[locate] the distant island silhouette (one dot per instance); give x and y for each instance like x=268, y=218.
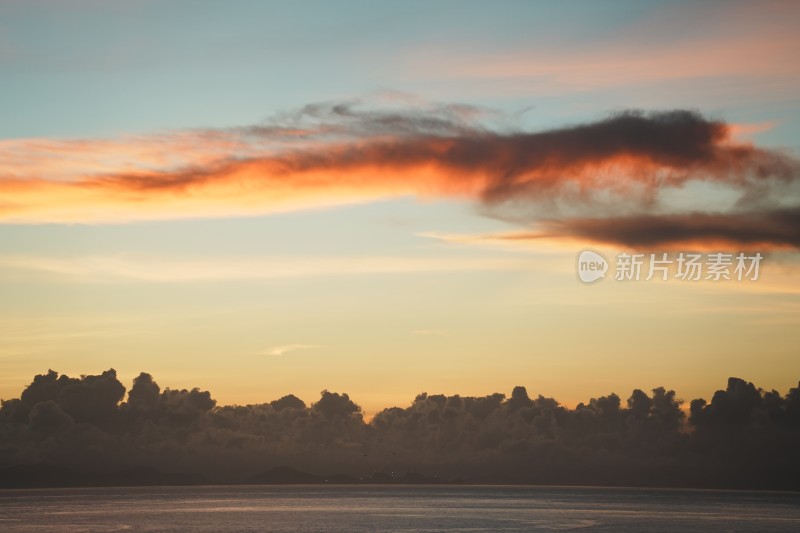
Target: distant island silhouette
x=43, y=475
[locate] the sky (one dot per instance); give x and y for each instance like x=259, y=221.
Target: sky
x=272, y=198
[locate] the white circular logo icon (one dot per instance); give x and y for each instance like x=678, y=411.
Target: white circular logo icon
x=591, y=266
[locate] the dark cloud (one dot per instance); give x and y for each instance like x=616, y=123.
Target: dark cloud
x=289, y=401
x=778, y=228
x=91, y=399
x=602, y=180
x=332, y=404
x=743, y=437
x=613, y=170
x=652, y=150
x=359, y=118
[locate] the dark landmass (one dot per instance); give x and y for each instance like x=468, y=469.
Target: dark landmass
x=43, y=475
x=284, y=475
x=87, y=431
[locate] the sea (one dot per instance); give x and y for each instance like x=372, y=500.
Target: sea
x=395, y=508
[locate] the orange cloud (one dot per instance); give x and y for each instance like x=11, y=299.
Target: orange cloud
x=629, y=157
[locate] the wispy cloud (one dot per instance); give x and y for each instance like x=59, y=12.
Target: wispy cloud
x=774, y=229
x=764, y=229
x=136, y=268
x=754, y=44
x=279, y=351
x=520, y=241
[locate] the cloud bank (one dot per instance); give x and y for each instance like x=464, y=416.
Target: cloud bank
x=743, y=437
x=344, y=152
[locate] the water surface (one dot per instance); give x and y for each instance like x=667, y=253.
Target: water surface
x=395, y=509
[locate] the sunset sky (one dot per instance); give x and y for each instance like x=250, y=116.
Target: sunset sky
x=263, y=198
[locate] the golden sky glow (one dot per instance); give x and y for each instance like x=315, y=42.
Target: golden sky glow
x=402, y=217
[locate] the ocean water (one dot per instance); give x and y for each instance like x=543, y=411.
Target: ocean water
x=396, y=509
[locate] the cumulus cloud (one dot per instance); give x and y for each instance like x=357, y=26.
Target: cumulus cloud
x=341, y=152
x=743, y=437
